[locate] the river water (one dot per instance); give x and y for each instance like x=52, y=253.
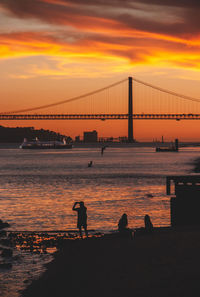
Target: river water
x=38, y=189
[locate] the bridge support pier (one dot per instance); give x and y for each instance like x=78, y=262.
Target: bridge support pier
x=130, y=110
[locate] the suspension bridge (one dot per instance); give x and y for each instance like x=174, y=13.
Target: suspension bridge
x=129, y=99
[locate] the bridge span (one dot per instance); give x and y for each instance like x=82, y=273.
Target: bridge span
x=101, y=117
x=145, y=102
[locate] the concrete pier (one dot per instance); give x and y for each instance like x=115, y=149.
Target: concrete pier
x=185, y=204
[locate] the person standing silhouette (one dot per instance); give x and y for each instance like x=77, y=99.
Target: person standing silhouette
x=82, y=217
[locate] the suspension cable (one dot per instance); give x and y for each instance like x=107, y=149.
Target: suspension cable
x=166, y=91
x=67, y=100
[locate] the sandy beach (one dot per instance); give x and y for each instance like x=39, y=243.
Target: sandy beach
x=165, y=263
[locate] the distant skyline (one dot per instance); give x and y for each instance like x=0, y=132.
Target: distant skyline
x=51, y=50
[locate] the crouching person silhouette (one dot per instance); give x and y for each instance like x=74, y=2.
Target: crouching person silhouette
x=81, y=217
x=123, y=223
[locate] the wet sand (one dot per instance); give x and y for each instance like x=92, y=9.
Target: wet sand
x=165, y=263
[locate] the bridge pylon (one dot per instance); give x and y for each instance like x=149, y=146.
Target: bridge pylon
x=130, y=110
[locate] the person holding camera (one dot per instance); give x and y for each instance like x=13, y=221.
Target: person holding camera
x=81, y=217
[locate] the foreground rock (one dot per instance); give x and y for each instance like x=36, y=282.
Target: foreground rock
x=3, y=225
x=6, y=253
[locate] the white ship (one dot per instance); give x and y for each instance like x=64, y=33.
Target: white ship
x=37, y=144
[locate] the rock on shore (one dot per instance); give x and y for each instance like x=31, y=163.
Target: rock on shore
x=3, y=224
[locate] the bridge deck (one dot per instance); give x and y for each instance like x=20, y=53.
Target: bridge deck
x=99, y=116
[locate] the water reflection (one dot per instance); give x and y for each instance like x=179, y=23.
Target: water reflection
x=38, y=189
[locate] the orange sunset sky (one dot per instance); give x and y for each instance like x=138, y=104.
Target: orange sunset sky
x=52, y=50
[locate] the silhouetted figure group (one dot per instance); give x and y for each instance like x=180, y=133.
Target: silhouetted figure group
x=126, y=232
x=81, y=217
x=123, y=229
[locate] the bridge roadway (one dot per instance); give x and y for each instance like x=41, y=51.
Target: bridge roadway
x=102, y=117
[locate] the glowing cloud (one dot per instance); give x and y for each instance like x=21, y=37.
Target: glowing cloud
x=125, y=31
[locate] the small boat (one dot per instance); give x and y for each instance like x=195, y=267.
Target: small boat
x=37, y=144
x=166, y=149
x=173, y=148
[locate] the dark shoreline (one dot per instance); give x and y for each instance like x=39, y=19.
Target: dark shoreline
x=148, y=266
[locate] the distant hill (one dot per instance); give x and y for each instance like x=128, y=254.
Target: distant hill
x=19, y=133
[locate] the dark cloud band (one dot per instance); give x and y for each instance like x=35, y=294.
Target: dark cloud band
x=134, y=14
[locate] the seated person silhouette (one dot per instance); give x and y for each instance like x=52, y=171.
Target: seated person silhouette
x=82, y=217
x=123, y=229
x=148, y=224
x=147, y=229
x=123, y=223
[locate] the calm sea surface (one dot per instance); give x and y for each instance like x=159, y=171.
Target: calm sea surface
x=38, y=189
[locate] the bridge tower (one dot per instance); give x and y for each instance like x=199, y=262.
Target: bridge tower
x=130, y=110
